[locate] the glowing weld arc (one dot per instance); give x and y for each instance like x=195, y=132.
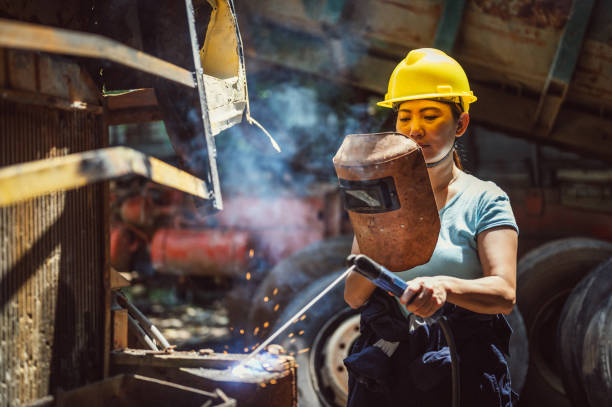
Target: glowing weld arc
x=297, y=315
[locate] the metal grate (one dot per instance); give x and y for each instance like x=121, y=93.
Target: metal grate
x=52, y=256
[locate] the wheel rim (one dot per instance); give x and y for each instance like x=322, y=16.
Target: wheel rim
x=331, y=346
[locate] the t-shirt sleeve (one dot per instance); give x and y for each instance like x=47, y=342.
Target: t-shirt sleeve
x=495, y=210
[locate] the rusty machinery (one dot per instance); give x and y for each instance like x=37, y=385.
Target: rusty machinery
x=56, y=282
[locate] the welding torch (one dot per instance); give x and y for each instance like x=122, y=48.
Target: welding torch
x=386, y=280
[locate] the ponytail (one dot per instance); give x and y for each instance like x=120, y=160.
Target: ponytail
x=457, y=160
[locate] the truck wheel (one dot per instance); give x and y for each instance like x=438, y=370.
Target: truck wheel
x=546, y=276
x=582, y=314
x=597, y=357
x=519, y=351
x=290, y=276
x=320, y=342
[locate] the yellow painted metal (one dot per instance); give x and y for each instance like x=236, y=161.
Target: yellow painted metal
x=219, y=55
x=27, y=180
x=19, y=35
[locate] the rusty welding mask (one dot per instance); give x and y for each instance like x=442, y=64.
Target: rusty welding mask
x=386, y=190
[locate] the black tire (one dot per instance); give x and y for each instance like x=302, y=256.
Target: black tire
x=291, y=276
x=320, y=322
x=597, y=357
x=519, y=351
x=589, y=297
x=546, y=276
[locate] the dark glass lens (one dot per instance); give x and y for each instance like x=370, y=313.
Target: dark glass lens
x=371, y=196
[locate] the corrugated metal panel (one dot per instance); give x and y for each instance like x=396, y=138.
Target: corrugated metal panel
x=51, y=262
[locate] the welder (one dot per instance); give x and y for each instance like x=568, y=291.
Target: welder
x=451, y=236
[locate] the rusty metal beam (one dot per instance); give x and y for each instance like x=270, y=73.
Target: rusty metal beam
x=560, y=74
x=19, y=35
x=27, y=180
x=448, y=25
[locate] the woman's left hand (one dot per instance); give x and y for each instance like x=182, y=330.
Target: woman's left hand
x=430, y=296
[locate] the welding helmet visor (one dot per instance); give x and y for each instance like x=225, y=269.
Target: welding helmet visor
x=386, y=191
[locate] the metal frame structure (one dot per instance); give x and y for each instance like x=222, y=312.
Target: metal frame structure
x=26, y=36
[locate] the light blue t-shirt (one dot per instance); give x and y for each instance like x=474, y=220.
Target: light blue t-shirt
x=478, y=206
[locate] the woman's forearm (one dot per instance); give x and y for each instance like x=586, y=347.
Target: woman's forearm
x=486, y=295
x=357, y=290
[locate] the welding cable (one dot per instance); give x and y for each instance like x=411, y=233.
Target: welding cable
x=450, y=341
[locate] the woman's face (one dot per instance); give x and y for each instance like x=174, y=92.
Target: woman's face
x=431, y=125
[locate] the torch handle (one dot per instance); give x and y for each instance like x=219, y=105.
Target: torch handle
x=379, y=275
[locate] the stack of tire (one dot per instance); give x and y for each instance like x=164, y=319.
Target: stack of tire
x=565, y=297
x=322, y=339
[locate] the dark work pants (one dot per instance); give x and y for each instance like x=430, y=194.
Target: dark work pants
x=418, y=373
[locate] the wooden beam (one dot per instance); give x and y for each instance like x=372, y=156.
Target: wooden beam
x=20, y=35
x=24, y=181
x=120, y=329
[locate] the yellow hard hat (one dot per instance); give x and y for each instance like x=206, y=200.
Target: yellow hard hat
x=428, y=73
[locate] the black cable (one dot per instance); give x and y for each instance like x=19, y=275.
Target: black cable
x=450, y=341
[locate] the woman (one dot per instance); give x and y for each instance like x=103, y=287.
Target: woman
x=471, y=277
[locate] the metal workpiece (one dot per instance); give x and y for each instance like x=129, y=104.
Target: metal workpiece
x=34, y=37
x=136, y=390
x=24, y=181
x=274, y=384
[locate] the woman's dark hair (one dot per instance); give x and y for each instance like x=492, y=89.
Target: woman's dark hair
x=456, y=110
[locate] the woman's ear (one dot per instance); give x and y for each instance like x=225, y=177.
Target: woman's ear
x=462, y=124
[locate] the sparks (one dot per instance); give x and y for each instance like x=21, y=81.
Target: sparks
x=251, y=253
x=303, y=350
x=275, y=291
x=246, y=350
x=248, y=275
x=256, y=330
x=273, y=381
x=290, y=335
x=276, y=307
x=301, y=332
x=266, y=299
x=266, y=324
x=242, y=332
x=303, y=317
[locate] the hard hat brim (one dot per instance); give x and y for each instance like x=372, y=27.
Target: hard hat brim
x=465, y=98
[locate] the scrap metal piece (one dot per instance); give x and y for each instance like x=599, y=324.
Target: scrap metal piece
x=20, y=35
x=27, y=180
x=143, y=321
x=141, y=335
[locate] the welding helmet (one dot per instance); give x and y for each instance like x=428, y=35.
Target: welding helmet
x=386, y=190
x=428, y=73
